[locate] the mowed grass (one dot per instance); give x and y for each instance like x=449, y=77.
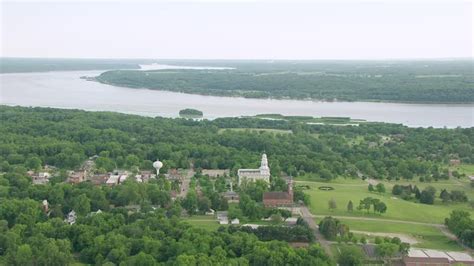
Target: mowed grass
x=203, y=221
x=342, y=181
x=428, y=236
x=467, y=169
x=269, y=130
x=397, y=209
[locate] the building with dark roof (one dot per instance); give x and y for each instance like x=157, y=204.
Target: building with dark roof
x=279, y=198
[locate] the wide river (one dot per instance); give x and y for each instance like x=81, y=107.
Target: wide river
x=67, y=90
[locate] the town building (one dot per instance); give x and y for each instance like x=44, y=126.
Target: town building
x=144, y=176
x=99, y=179
x=231, y=196
x=71, y=217
x=40, y=178
x=77, y=177
x=175, y=174
x=279, y=198
x=222, y=217
x=291, y=221
x=262, y=173
x=116, y=178
x=210, y=212
x=430, y=257
x=215, y=173
x=454, y=162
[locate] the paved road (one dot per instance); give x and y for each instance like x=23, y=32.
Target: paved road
x=309, y=218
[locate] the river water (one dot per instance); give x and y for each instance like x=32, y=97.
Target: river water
x=67, y=90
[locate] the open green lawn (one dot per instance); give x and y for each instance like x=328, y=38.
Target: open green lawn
x=427, y=236
x=467, y=169
x=203, y=221
x=270, y=130
x=397, y=209
x=340, y=180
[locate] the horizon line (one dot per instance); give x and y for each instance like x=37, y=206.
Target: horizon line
x=249, y=59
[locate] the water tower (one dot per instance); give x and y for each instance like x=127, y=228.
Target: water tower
x=157, y=165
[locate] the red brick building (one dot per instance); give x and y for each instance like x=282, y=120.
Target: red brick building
x=278, y=198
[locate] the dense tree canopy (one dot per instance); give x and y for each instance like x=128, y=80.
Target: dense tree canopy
x=401, y=81
x=65, y=138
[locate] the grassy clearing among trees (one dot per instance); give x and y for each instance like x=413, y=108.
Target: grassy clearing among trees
x=397, y=209
x=427, y=236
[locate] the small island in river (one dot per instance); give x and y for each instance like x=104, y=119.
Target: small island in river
x=190, y=113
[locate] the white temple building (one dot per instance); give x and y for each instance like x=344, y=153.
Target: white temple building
x=262, y=173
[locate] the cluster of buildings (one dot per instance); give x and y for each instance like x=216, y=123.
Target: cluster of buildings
x=222, y=218
x=86, y=173
x=272, y=198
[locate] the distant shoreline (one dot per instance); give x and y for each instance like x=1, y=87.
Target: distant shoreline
x=94, y=79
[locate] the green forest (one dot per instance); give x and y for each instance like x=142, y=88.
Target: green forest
x=65, y=138
x=31, y=138
x=392, y=81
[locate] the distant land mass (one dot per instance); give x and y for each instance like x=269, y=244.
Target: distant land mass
x=442, y=81
x=20, y=65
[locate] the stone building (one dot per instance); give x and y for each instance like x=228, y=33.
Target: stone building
x=262, y=173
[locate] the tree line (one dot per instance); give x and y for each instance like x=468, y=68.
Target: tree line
x=428, y=81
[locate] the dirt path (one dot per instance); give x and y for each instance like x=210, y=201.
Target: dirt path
x=404, y=238
x=185, y=184
x=329, y=184
x=380, y=220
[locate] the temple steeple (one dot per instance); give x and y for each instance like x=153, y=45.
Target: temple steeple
x=264, y=169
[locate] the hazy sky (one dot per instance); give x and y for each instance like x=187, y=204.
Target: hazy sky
x=241, y=30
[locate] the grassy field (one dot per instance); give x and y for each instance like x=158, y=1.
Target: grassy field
x=308, y=179
x=397, y=209
x=269, y=130
x=427, y=236
x=467, y=169
x=203, y=221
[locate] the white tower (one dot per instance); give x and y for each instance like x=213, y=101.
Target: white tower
x=264, y=169
x=157, y=165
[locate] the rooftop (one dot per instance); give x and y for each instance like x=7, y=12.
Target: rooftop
x=431, y=253
x=275, y=195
